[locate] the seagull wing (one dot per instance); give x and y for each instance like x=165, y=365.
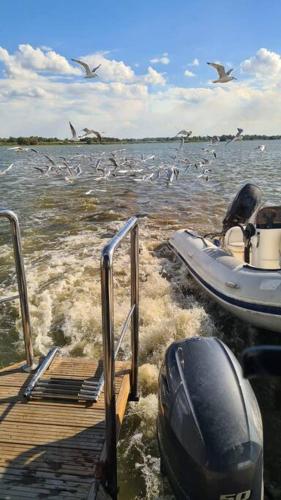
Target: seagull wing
x=114, y=162
x=229, y=71
x=85, y=66
x=73, y=131
x=7, y=169
x=40, y=170
x=219, y=67
x=95, y=69
x=50, y=159
x=97, y=134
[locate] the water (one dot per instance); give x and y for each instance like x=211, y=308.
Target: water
x=63, y=232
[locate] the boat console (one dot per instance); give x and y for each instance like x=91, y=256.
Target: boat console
x=266, y=242
x=253, y=234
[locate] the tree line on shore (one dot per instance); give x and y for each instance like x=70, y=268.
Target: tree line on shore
x=37, y=140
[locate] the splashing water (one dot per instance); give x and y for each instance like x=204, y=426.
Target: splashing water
x=63, y=233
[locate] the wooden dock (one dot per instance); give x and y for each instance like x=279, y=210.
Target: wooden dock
x=50, y=449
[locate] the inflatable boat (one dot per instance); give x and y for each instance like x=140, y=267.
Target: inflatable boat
x=240, y=266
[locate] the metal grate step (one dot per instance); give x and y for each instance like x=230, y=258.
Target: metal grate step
x=79, y=390
x=67, y=389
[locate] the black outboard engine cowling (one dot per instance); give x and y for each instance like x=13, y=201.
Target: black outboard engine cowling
x=245, y=203
x=209, y=424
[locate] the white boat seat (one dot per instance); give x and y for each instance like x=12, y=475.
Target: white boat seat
x=233, y=242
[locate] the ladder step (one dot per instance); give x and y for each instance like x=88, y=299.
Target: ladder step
x=58, y=387
x=55, y=387
x=77, y=390
x=53, y=395
x=60, y=381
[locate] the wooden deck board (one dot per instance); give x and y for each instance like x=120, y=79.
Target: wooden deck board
x=49, y=449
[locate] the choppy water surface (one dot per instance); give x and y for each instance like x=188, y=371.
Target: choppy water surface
x=63, y=232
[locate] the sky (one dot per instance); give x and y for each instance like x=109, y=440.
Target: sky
x=153, y=79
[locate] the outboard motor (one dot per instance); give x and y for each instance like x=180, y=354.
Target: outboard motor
x=245, y=203
x=209, y=424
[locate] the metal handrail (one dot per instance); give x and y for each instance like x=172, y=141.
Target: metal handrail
x=110, y=354
x=22, y=288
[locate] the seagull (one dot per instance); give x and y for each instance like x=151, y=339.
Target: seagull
x=89, y=132
x=171, y=173
x=224, y=77
x=50, y=160
x=261, y=147
x=73, y=132
x=89, y=73
x=150, y=157
x=237, y=137
x=19, y=149
x=203, y=176
x=115, y=163
x=185, y=133
x=7, y=169
x=214, y=140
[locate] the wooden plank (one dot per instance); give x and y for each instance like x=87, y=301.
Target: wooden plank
x=76, y=417
x=50, y=448
x=53, y=456
x=19, y=482
x=52, y=476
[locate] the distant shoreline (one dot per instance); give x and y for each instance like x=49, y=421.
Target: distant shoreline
x=42, y=141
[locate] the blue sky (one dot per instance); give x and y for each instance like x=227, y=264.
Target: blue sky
x=139, y=35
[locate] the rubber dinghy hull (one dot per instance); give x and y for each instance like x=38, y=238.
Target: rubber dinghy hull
x=254, y=295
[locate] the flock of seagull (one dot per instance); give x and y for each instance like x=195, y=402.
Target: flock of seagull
x=100, y=167
x=118, y=164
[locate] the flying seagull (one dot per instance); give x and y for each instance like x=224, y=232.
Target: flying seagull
x=18, y=149
x=224, y=77
x=185, y=133
x=7, y=169
x=88, y=132
x=89, y=73
x=237, y=137
x=74, y=134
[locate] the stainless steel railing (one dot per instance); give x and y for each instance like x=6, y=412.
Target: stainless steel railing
x=22, y=288
x=110, y=353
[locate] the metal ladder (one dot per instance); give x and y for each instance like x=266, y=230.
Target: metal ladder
x=89, y=390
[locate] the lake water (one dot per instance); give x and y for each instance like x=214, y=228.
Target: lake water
x=63, y=231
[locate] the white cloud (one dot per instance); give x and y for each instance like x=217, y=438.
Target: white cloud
x=34, y=102
x=164, y=59
x=110, y=69
x=188, y=73
x=195, y=62
x=264, y=64
x=31, y=59
x=153, y=77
